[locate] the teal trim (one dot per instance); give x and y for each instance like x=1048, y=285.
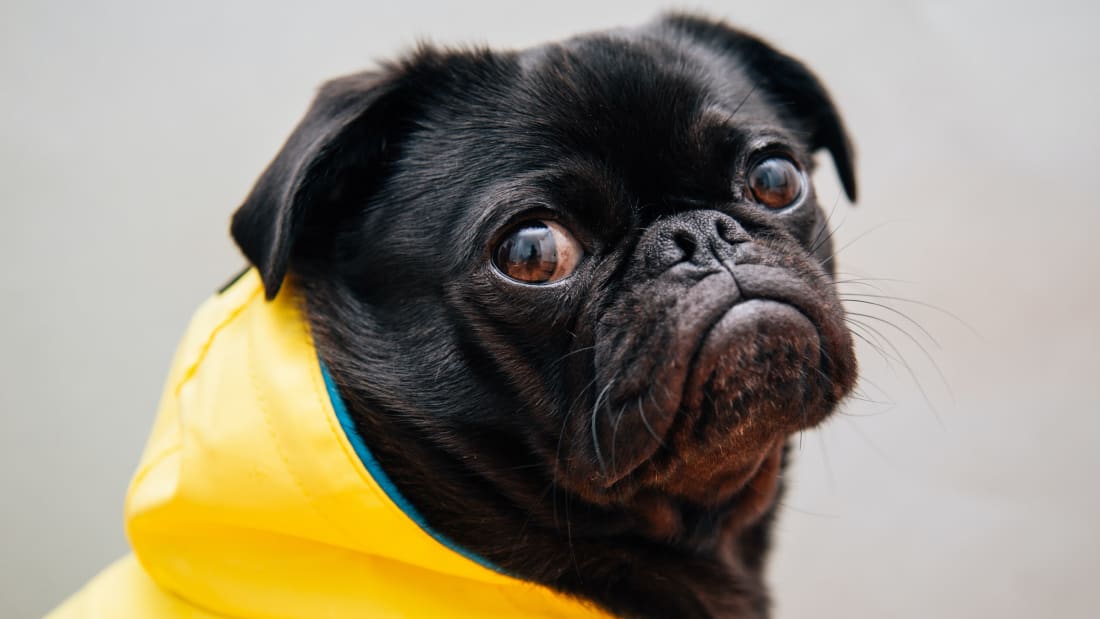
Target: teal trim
x=375, y=470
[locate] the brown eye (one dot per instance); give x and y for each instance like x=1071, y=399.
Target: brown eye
x=538, y=252
x=776, y=182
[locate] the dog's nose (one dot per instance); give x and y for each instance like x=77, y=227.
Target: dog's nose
x=704, y=238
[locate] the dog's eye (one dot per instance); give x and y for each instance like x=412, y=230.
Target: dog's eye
x=538, y=252
x=776, y=182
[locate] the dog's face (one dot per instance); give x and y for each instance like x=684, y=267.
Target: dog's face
x=597, y=265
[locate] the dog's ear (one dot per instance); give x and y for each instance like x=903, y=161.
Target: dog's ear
x=786, y=81
x=328, y=160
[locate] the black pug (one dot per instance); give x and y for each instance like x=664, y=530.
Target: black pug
x=576, y=297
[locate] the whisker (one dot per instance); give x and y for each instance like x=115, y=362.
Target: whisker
x=788, y=507
x=615, y=433
x=880, y=413
x=593, y=423
x=569, y=538
x=923, y=350
x=817, y=241
x=856, y=282
x=860, y=394
x=905, y=364
x=864, y=280
x=523, y=529
x=742, y=103
x=645, y=422
x=571, y=353
x=557, y=463
x=852, y=242
x=930, y=306
x=866, y=400
x=874, y=344
x=899, y=313
x=870, y=444
x=869, y=382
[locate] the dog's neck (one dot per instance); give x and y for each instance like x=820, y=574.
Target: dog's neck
x=658, y=557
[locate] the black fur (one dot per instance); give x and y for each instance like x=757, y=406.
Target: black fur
x=617, y=435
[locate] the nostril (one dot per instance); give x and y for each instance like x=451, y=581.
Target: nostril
x=729, y=231
x=686, y=242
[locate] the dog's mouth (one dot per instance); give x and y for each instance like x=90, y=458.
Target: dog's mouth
x=700, y=410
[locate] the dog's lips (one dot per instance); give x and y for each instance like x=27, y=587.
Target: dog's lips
x=743, y=348
x=721, y=447
x=743, y=377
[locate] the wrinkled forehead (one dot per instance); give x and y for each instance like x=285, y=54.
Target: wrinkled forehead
x=651, y=118
x=609, y=91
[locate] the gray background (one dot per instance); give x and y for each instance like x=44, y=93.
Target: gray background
x=131, y=131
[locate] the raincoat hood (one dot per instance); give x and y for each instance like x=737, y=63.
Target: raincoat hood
x=256, y=498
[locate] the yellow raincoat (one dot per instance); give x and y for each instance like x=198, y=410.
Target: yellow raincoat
x=256, y=498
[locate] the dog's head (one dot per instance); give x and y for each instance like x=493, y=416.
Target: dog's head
x=598, y=265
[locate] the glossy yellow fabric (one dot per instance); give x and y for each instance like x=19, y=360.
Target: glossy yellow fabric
x=250, y=502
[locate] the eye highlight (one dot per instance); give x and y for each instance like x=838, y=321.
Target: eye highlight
x=538, y=252
x=776, y=182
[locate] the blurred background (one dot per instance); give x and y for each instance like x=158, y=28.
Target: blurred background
x=960, y=483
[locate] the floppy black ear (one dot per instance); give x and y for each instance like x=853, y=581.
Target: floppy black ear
x=338, y=141
x=787, y=81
